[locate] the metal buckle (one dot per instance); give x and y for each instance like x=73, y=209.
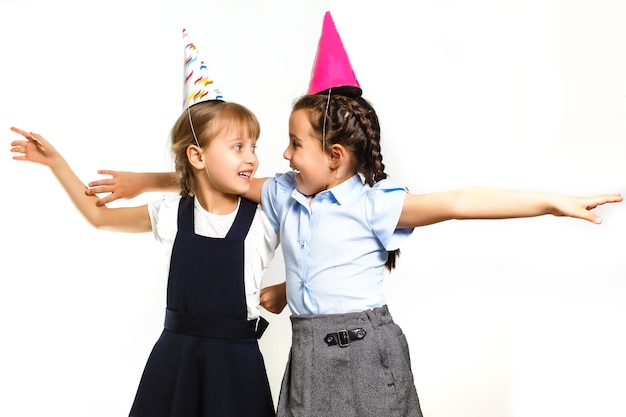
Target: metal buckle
x=343, y=338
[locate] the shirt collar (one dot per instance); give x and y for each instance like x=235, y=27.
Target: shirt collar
x=348, y=190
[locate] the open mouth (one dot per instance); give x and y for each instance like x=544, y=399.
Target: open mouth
x=245, y=174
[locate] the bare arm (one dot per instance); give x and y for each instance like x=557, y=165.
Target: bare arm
x=127, y=184
x=254, y=194
x=489, y=203
x=36, y=149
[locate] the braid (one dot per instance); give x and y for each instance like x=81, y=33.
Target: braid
x=353, y=123
x=372, y=168
x=375, y=166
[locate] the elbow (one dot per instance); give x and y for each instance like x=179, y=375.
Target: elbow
x=98, y=219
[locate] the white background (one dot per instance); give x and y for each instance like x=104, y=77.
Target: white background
x=513, y=318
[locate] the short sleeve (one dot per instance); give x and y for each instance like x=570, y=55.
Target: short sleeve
x=164, y=217
x=275, y=193
x=384, y=202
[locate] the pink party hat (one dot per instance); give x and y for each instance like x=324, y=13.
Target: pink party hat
x=332, y=68
x=199, y=85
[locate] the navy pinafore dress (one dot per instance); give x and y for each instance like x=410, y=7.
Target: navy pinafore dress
x=207, y=361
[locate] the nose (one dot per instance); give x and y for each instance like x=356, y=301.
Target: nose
x=287, y=153
x=251, y=157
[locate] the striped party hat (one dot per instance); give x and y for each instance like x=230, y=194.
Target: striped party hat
x=199, y=86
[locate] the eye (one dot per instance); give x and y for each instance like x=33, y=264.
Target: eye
x=254, y=148
x=237, y=147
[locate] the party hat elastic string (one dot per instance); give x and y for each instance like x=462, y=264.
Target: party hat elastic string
x=198, y=87
x=324, y=136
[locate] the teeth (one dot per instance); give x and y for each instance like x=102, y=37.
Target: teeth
x=244, y=174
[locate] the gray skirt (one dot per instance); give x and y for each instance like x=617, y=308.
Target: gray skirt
x=369, y=376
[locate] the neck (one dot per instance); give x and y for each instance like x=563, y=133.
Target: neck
x=218, y=203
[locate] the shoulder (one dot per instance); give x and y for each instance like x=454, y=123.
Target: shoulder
x=169, y=203
x=385, y=194
x=164, y=215
x=387, y=185
x=281, y=182
x=276, y=193
x=384, y=201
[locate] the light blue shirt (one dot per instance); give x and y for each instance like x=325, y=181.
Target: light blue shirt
x=335, y=247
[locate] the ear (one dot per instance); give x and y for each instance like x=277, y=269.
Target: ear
x=195, y=156
x=338, y=156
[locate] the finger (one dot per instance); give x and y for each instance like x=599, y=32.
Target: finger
x=32, y=137
x=19, y=147
x=604, y=199
x=19, y=143
x=20, y=131
x=107, y=172
x=613, y=198
x=97, y=190
x=37, y=138
x=590, y=216
x=105, y=200
x=100, y=183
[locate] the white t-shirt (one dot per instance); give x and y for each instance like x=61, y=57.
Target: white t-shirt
x=260, y=244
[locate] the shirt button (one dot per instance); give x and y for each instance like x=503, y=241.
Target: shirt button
x=302, y=245
x=301, y=284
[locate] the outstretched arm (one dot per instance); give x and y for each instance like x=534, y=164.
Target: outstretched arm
x=489, y=203
x=35, y=148
x=127, y=184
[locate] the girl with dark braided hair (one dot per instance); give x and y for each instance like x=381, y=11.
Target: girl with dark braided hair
x=341, y=223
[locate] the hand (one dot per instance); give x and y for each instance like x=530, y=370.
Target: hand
x=580, y=207
x=122, y=184
x=274, y=298
x=34, y=149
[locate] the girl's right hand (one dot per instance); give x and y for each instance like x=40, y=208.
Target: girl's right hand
x=34, y=149
x=122, y=184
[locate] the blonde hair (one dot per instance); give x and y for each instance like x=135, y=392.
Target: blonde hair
x=209, y=119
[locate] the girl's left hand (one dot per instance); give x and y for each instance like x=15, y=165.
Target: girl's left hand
x=580, y=207
x=274, y=298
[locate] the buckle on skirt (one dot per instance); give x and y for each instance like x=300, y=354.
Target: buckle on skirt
x=344, y=337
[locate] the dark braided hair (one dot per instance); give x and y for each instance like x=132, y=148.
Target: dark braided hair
x=351, y=122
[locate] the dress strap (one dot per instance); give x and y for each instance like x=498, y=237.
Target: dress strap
x=243, y=220
x=185, y=214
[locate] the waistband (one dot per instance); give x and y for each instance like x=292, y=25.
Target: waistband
x=378, y=316
x=214, y=327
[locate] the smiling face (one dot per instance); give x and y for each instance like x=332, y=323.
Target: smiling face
x=305, y=155
x=231, y=161
x=221, y=143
